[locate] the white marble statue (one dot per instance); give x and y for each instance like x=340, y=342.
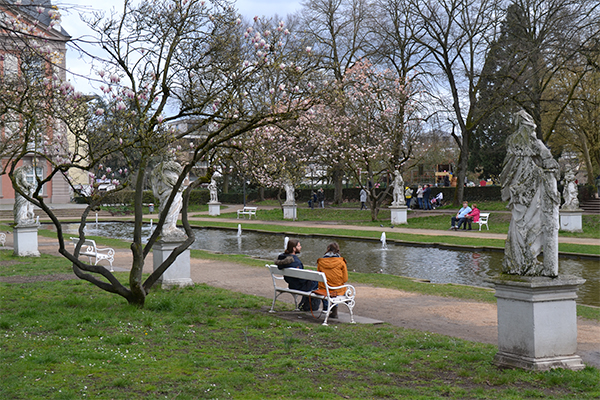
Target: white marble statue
x=570, y=192
x=528, y=181
x=398, y=193
x=289, y=194
x=23, y=208
x=163, y=179
x=212, y=188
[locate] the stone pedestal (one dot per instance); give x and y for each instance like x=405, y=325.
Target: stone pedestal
x=399, y=214
x=537, y=322
x=214, y=208
x=178, y=274
x=570, y=221
x=26, y=240
x=289, y=211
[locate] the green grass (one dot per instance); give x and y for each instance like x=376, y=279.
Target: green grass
x=69, y=340
x=498, y=222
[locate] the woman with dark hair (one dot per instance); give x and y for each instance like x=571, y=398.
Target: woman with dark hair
x=289, y=259
x=336, y=270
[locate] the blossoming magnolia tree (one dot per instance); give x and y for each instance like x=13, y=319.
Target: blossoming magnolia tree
x=381, y=128
x=276, y=155
x=371, y=126
x=170, y=60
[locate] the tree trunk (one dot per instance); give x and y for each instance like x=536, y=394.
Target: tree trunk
x=586, y=157
x=338, y=175
x=225, y=183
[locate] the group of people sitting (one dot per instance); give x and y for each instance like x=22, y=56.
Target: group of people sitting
x=332, y=264
x=466, y=215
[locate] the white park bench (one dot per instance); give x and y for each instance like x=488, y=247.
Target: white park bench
x=89, y=249
x=483, y=220
x=249, y=211
x=2, y=238
x=278, y=274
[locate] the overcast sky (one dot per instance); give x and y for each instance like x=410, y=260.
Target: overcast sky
x=71, y=22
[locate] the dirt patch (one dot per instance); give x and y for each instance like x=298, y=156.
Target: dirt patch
x=36, y=278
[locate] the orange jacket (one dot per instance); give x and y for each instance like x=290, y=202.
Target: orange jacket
x=336, y=271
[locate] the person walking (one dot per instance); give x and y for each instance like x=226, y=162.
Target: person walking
x=408, y=192
x=363, y=199
x=321, y=197
x=420, y=197
x=426, y=195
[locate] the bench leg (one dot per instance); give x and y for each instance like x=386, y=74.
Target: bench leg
x=329, y=308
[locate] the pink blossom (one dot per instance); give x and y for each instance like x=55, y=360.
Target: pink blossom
x=99, y=112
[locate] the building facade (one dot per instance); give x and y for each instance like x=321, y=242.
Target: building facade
x=32, y=46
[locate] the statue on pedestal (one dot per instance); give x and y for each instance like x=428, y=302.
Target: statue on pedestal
x=212, y=188
x=529, y=179
x=23, y=208
x=163, y=179
x=398, y=193
x=570, y=192
x=289, y=194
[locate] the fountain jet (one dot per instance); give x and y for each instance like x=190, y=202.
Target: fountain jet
x=383, y=241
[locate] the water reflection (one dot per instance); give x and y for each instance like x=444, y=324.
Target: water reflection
x=433, y=264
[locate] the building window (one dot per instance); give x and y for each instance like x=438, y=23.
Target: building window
x=39, y=171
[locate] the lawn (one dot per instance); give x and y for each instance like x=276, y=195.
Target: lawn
x=69, y=340
x=351, y=214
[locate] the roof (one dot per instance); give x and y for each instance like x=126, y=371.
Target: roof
x=32, y=8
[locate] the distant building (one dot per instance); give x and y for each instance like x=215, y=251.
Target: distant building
x=32, y=23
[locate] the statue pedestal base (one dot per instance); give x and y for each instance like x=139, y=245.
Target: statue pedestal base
x=399, y=214
x=289, y=211
x=537, y=322
x=178, y=274
x=214, y=208
x=26, y=240
x=570, y=221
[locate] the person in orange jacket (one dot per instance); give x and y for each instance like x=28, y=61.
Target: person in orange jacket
x=336, y=270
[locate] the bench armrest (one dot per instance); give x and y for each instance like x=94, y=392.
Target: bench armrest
x=350, y=290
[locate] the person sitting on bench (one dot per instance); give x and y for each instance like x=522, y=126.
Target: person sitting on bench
x=473, y=216
x=289, y=259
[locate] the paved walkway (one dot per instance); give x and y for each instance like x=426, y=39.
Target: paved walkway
x=469, y=320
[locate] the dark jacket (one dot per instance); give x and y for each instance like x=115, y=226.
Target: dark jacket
x=292, y=261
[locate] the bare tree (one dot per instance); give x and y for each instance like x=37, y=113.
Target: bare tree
x=168, y=60
x=341, y=33
x=457, y=35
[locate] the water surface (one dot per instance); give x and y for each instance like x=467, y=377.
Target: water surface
x=427, y=263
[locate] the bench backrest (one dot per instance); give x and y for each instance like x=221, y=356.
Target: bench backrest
x=86, y=242
x=298, y=273
x=483, y=217
x=250, y=208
